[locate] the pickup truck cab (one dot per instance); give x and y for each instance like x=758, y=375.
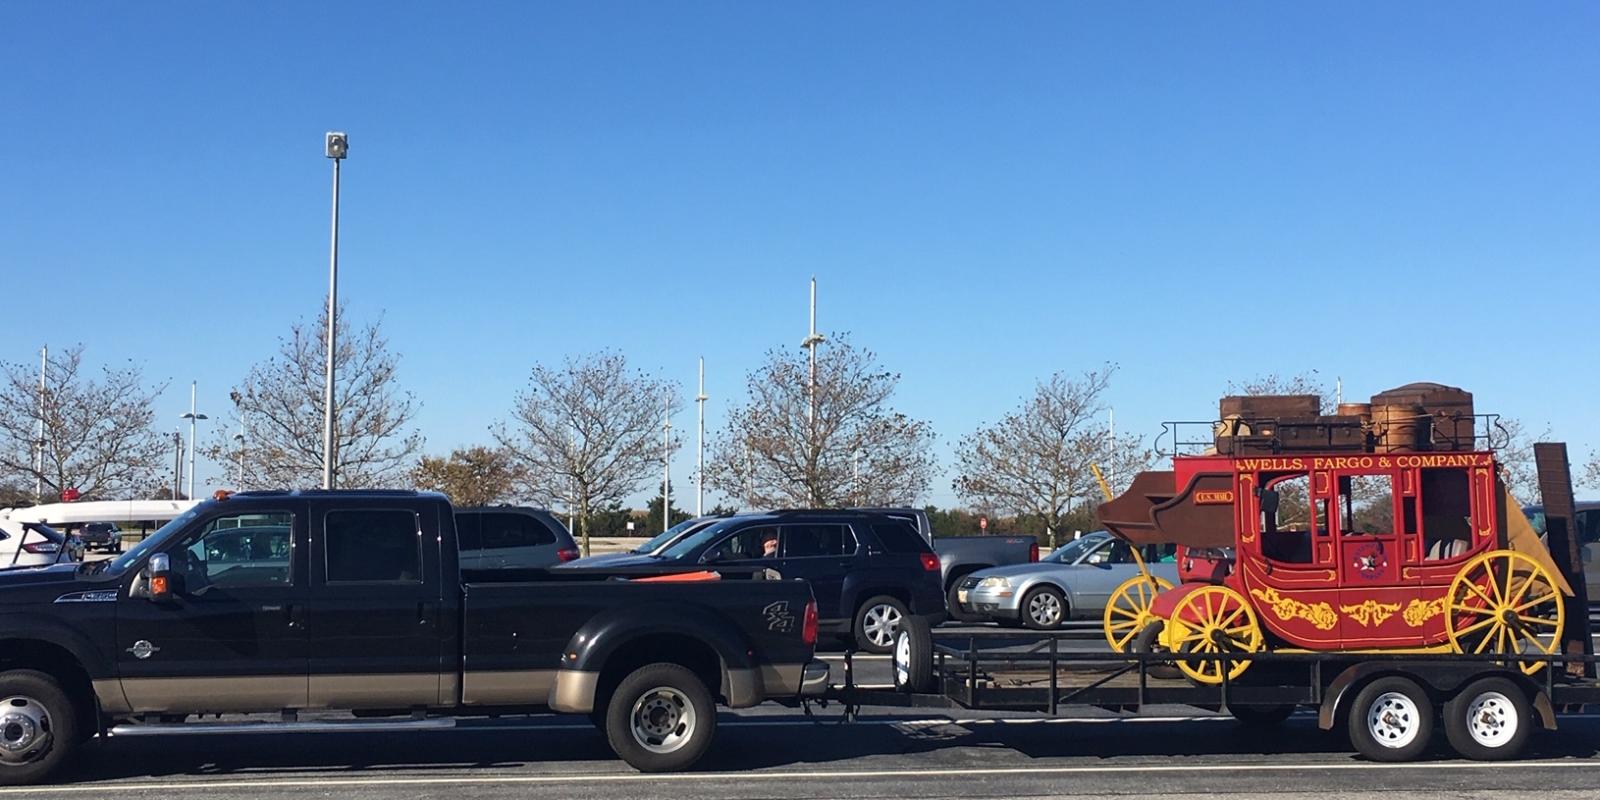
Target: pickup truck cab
x=284, y=602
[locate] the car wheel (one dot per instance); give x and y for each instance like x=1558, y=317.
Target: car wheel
x=877, y=621
x=1044, y=608
x=954, y=606
x=38, y=727
x=1391, y=719
x=1490, y=720
x=661, y=718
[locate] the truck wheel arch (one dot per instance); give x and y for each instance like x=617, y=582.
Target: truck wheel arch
x=612, y=645
x=61, y=663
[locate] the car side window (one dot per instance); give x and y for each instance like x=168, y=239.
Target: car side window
x=745, y=545
x=505, y=530
x=239, y=551
x=373, y=546
x=806, y=541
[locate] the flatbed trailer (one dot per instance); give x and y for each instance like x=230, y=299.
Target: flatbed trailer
x=1390, y=703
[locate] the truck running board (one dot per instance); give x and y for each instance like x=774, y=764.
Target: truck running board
x=323, y=726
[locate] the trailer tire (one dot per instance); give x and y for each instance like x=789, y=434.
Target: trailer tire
x=661, y=718
x=1391, y=719
x=1261, y=716
x=912, y=661
x=1490, y=720
x=38, y=727
x=1149, y=641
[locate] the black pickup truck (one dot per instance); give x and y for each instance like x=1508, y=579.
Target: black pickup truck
x=292, y=602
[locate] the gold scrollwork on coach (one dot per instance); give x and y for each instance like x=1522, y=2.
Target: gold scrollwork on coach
x=1319, y=615
x=1370, y=613
x=1420, y=611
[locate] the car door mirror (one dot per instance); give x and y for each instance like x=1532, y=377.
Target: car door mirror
x=159, y=580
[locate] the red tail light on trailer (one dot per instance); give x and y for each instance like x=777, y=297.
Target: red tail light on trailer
x=930, y=562
x=808, y=628
x=1033, y=552
x=567, y=554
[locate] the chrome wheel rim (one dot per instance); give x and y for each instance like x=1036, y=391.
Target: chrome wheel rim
x=881, y=623
x=1393, y=720
x=902, y=659
x=25, y=731
x=1045, y=609
x=663, y=720
x=1491, y=719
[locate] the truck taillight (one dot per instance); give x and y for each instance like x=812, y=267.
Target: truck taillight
x=808, y=627
x=566, y=554
x=1033, y=552
x=930, y=562
x=41, y=548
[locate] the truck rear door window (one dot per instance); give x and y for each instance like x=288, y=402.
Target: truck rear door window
x=374, y=546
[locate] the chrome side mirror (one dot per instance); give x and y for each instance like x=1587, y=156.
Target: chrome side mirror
x=158, y=577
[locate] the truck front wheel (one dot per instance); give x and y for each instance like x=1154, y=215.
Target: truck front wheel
x=661, y=718
x=38, y=727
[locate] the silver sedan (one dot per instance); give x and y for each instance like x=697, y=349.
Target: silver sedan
x=1074, y=582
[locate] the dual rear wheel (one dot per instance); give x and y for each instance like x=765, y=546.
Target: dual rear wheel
x=1392, y=719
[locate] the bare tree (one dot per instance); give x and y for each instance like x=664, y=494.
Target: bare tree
x=280, y=405
x=99, y=435
x=1275, y=383
x=469, y=476
x=588, y=432
x=1036, y=461
x=854, y=449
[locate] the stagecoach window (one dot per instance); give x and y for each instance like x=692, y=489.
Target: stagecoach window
x=1366, y=504
x=1286, y=533
x=1446, y=514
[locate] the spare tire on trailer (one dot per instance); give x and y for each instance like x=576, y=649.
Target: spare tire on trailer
x=912, y=659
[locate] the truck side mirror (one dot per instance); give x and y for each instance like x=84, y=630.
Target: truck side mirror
x=159, y=577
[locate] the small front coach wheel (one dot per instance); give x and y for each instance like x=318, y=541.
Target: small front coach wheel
x=661, y=718
x=1391, y=719
x=1489, y=720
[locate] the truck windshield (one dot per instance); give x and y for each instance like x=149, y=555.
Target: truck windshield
x=154, y=540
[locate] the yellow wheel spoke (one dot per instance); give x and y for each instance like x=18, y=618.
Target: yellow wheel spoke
x=1231, y=617
x=1472, y=610
x=1484, y=645
x=1125, y=613
x=1122, y=641
x=1550, y=623
x=1544, y=598
x=1478, y=590
x=1476, y=625
x=1516, y=596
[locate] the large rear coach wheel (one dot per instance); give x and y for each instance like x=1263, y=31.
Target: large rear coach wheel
x=1214, y=619
x=1391, y=719
x=661, y=718
x=38, y=727
x=1128, y=611
x=1505, y=602
x=1490, y=720
x=877, y=621
x=1044, y=608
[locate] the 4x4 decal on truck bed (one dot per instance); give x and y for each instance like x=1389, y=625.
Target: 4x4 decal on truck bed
x=778, y=617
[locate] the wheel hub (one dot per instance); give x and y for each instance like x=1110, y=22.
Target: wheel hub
x=1393, y=720
x=24, y=730
x=663, y=720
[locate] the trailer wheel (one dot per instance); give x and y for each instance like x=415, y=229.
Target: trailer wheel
x=1391, y=719
x=38, y=727
x=661, y=718
x=1490, y=720
x=913, y=656
x=1261, y=716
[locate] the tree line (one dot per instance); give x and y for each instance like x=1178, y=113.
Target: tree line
x=586, y=433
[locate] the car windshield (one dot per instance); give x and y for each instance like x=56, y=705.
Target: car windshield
x=656, y=542
x=1070, y=552
x=694, y=540
x=154, y=540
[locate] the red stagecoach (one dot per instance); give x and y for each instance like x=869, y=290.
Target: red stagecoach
x=1385, y=527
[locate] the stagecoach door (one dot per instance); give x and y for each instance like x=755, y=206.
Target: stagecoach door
x=1372, y=550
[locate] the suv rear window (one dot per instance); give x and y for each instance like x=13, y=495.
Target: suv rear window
x=504, y=530
x=899, y=537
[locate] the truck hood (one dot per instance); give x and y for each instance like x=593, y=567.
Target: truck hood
x=30, y=584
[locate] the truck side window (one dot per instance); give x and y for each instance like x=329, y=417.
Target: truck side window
x=246, y=550
x=373, y=546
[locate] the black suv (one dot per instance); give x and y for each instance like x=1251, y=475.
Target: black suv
x=868, y=571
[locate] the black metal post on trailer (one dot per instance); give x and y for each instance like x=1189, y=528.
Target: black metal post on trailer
x=1560, y=518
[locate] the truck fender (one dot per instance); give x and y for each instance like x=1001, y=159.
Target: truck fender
x=99, y=669
x=590, y=649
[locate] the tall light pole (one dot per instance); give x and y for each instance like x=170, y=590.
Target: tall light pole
x=336, y=145
x=193, y=416
x=177, y=463
x=811, y=343
x=666, y=462
x=38, y=458
x=238, y=439
x=700, y=445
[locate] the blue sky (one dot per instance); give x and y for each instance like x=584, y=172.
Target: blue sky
x=986, y=193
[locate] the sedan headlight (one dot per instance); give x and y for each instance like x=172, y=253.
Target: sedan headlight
x=996, y=582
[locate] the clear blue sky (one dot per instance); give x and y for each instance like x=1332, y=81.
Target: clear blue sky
x=1381, y=192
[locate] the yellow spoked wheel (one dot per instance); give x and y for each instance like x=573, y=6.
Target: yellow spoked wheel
x=1128, y=610
x=1213, y=619
x=1505, y=602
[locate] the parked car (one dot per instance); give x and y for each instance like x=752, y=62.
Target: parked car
x=369, y=613
x=1074, y=582
x=1588, y=533
x=103, y=535
x=867, y=570
x=511, y=537
x=960, y=556
x=35, y=544
x=655, y=544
